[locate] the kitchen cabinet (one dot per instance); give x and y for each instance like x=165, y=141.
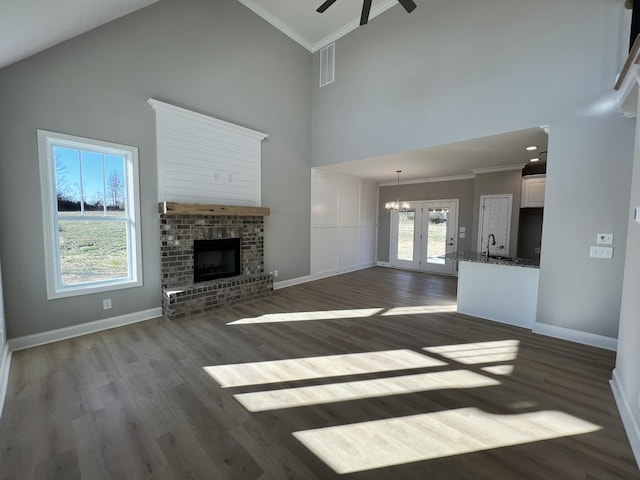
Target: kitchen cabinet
x=533, y=191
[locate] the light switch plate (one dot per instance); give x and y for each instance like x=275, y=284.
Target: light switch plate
x=605, y=239
x=601, y=252
x=636, y=214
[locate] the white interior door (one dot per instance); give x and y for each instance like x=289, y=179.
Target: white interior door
x=422, y=236
x=495, y=219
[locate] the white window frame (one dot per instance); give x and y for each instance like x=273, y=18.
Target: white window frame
x=55, y=288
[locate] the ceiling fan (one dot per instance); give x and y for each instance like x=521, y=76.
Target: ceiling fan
x=409, y=6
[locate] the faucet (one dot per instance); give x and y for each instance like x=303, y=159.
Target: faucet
x=491, y=237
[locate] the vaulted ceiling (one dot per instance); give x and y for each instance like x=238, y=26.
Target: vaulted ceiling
x=31, y=26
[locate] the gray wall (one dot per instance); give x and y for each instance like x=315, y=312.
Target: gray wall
x=213, y=56
x=451, y=71
x=628, y=361
x=3, y=337
x=583, y=197
x=494, y=184
x=460, y=189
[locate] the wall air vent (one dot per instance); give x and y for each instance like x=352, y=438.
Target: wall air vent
x=327, y=64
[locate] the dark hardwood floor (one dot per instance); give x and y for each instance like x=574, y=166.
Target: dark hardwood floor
x=370, y=375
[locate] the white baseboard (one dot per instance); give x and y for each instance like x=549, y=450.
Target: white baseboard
x=305, y=279
x=629, y=420
x=5, y=362
x=51, y=336
x=319, y=276
x=586, y=338
x=293, y=281
x=383, y=264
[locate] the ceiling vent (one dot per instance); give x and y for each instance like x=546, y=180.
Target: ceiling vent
x=327, y=64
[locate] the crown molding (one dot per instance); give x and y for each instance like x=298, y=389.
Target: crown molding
x=451, y=178
x=293, y=34
x=278, y=23
x=501, y=168
x=159, y=106
x=351, y=26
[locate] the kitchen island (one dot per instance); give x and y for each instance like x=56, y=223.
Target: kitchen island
x=498, y=288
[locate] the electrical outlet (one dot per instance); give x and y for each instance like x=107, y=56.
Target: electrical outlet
x=605, y=239
x=106, y=304
x=601, y=252
x=275, y=273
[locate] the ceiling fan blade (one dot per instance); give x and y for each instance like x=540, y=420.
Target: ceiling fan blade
x=366, y=8
x=409, y=5
x=325, y=5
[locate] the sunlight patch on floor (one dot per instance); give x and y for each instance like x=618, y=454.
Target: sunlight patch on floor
x=307, y=316
x=343, y=314
x=499, y=369
x=256, y=373
x=420, y=309
x=347, y=391
x=382, y=443
x=481, y=352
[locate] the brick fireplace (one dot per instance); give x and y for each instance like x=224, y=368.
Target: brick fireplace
x=180, y=226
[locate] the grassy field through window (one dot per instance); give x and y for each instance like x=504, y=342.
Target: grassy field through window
x=406, y=230
x=92, y=251
x=437, y=242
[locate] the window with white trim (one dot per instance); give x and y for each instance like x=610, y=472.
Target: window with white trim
x=91, y=208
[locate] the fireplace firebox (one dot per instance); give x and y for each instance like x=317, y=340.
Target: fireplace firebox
x=214, y=259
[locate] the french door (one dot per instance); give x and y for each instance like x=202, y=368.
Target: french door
x=423, y=235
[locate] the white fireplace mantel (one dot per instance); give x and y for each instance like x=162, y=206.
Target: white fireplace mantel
x=205, y=209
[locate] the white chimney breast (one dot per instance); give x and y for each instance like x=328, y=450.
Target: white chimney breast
x=202, y=159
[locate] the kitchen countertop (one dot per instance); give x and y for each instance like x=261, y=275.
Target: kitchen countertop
x=478, y=257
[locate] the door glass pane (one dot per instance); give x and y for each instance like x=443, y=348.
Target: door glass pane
x=406, y=228
x=437, y=235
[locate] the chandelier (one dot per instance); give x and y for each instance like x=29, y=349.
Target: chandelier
x=398, y=206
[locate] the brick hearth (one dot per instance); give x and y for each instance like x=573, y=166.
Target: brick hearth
x=180, y=296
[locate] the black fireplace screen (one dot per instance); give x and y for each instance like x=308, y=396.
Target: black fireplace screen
x=215, y=259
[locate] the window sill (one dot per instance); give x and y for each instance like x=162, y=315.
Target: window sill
x=54, y=294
